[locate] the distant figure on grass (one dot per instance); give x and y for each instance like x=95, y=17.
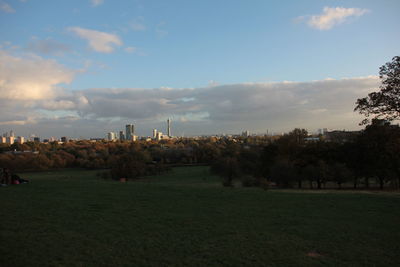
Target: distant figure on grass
x=15, y=179
x=7, y=178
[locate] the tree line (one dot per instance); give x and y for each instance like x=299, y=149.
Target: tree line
x=371, y=157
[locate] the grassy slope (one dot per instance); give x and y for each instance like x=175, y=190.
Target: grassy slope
x=186, y=218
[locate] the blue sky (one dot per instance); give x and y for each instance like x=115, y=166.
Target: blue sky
x=186, y=45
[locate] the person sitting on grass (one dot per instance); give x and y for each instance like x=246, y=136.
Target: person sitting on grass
x=18, y=180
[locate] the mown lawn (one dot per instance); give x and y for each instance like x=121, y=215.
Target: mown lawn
x=186, y=218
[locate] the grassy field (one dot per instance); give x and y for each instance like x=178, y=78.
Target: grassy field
x=186, y=218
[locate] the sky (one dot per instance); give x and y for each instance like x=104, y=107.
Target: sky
x=84, y=68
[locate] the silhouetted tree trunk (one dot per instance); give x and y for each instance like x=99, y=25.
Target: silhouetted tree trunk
x=319, y=184
x=381, y=183
x=355, y=183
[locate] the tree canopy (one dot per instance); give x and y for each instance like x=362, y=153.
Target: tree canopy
x=384, y=104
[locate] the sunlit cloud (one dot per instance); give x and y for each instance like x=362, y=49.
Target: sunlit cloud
x=31, y=77
x=332, y=16
x=98, y=41
x=130, y=49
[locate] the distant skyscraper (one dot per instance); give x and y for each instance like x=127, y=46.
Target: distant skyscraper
x=159, y=136
x=130, y=131
x=154, y=133
x=169, y=127
x=10, y=140
x=111, y=136
x=121, y=135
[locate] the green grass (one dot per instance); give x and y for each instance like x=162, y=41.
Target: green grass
x=186, y=218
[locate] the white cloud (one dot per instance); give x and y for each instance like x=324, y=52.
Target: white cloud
x=96, y=2
x=6, y=7
x=138, y=25
x=332, y=16
x=99, y=41
x=130, y=49
x=30, y=77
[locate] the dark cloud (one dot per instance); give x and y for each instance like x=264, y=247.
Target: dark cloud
x=313, y=103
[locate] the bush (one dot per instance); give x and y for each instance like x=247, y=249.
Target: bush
x=250, y=181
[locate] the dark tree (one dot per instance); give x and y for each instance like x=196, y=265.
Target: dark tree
x=283, y=173
x=384, y=104
x=379, y=148
x=227, y=168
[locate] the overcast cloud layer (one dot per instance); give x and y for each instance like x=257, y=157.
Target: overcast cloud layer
x=32, y=97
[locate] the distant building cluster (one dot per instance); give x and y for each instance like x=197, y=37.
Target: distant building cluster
x=10, y=138
x=130, y=135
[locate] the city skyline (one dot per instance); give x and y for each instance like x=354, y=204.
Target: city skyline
x=84, y=68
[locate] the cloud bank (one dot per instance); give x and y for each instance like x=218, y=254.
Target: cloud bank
x=32, y=97
x=276, y=105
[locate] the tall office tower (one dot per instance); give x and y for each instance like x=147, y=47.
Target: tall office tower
x=130, y=131
x=159, y=136
x=121, y=135
x=154, y=133
x=111, y=136
x=20, y=139
x=12, y=133
x=10, y=140
x=169, y=127
x=246, y=134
